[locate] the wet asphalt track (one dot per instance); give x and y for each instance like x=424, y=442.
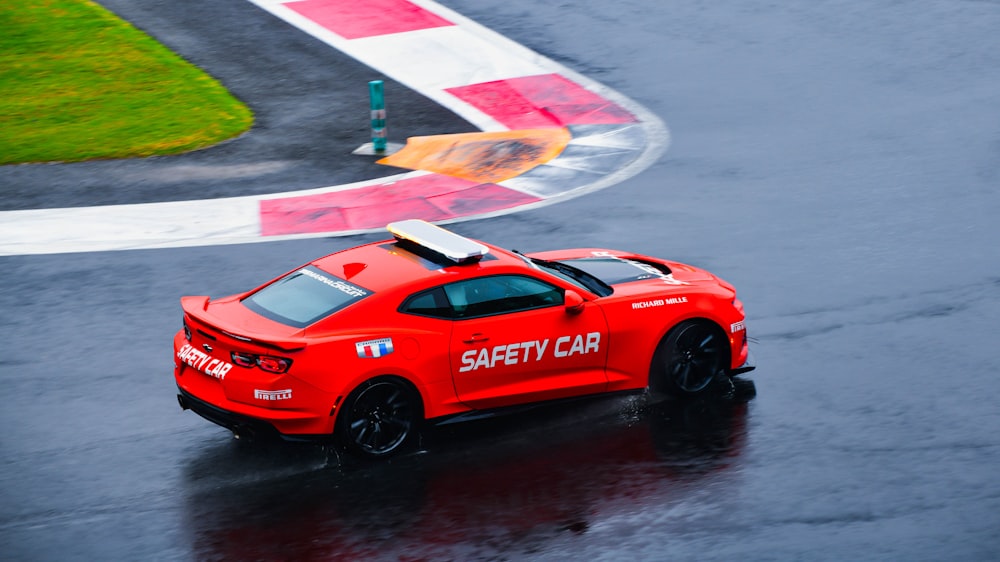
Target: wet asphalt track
x=838, y=162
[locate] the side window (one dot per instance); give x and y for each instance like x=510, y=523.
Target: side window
x=500, y=294
x=429, y=303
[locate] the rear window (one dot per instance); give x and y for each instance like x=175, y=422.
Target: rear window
x=304, y=296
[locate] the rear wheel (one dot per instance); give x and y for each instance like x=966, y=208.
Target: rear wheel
x=379, y=417
x=692, y=357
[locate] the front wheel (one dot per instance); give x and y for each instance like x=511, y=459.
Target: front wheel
x=692, y=357
x=379, y=417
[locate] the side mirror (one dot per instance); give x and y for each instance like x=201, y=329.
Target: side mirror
x=573, y=301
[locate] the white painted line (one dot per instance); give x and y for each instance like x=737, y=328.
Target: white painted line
x=442, y=57
x=230, y=220
x=124, y=227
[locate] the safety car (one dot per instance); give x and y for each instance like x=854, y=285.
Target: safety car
x=364, y=345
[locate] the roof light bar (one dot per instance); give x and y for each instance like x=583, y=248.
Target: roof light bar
x=458, y=249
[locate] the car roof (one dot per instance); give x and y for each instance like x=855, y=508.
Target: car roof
x=394, y=264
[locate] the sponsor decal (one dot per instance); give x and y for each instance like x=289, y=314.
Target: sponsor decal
x=529, y=351
x=374, y=348
x=736, y=327
x=204, y=362
x=343, y=286
x=270, y=395
x=658, y=302
x=651, y=271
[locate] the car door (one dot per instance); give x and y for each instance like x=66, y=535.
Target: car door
x=514, y=341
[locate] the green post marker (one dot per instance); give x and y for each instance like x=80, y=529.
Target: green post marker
x=378, y=115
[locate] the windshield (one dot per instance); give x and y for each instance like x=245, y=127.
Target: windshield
x=574, y=275
x=304, y=296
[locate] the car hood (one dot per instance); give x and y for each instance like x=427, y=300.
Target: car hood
x=615, y=267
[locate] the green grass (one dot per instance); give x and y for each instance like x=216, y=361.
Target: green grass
x=78, y=83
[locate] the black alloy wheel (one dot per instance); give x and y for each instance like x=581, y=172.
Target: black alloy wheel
x=379, y=417
x=692, y=357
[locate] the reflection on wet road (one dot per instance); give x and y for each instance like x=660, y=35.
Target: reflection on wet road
x=505, y=487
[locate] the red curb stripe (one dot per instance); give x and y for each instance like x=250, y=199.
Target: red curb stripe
x=547, y=100
x=431, y=197
x=368, y=18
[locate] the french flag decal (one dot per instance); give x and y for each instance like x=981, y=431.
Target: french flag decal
x=374, y=348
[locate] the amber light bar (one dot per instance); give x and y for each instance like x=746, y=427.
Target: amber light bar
x=458, y=249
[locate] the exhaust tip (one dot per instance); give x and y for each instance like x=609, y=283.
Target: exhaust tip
x=182, y=402
x=243, y=433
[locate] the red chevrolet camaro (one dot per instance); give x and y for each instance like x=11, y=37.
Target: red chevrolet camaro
x=365, y=344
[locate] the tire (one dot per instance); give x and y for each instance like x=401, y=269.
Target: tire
x=379, y=418
x=690, y=360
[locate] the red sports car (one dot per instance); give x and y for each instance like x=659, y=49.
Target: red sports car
x=364, y=344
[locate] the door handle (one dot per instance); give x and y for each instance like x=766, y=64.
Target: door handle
x=476, y=338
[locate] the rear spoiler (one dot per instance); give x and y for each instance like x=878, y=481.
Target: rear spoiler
x=196, y=307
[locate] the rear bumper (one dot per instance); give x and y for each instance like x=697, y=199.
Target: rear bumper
x=242, y=426
x=241, y=398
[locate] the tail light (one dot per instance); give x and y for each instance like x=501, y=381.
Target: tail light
x=187, y=330
x=268, y=363
x=273, y=364
x=243, y=359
